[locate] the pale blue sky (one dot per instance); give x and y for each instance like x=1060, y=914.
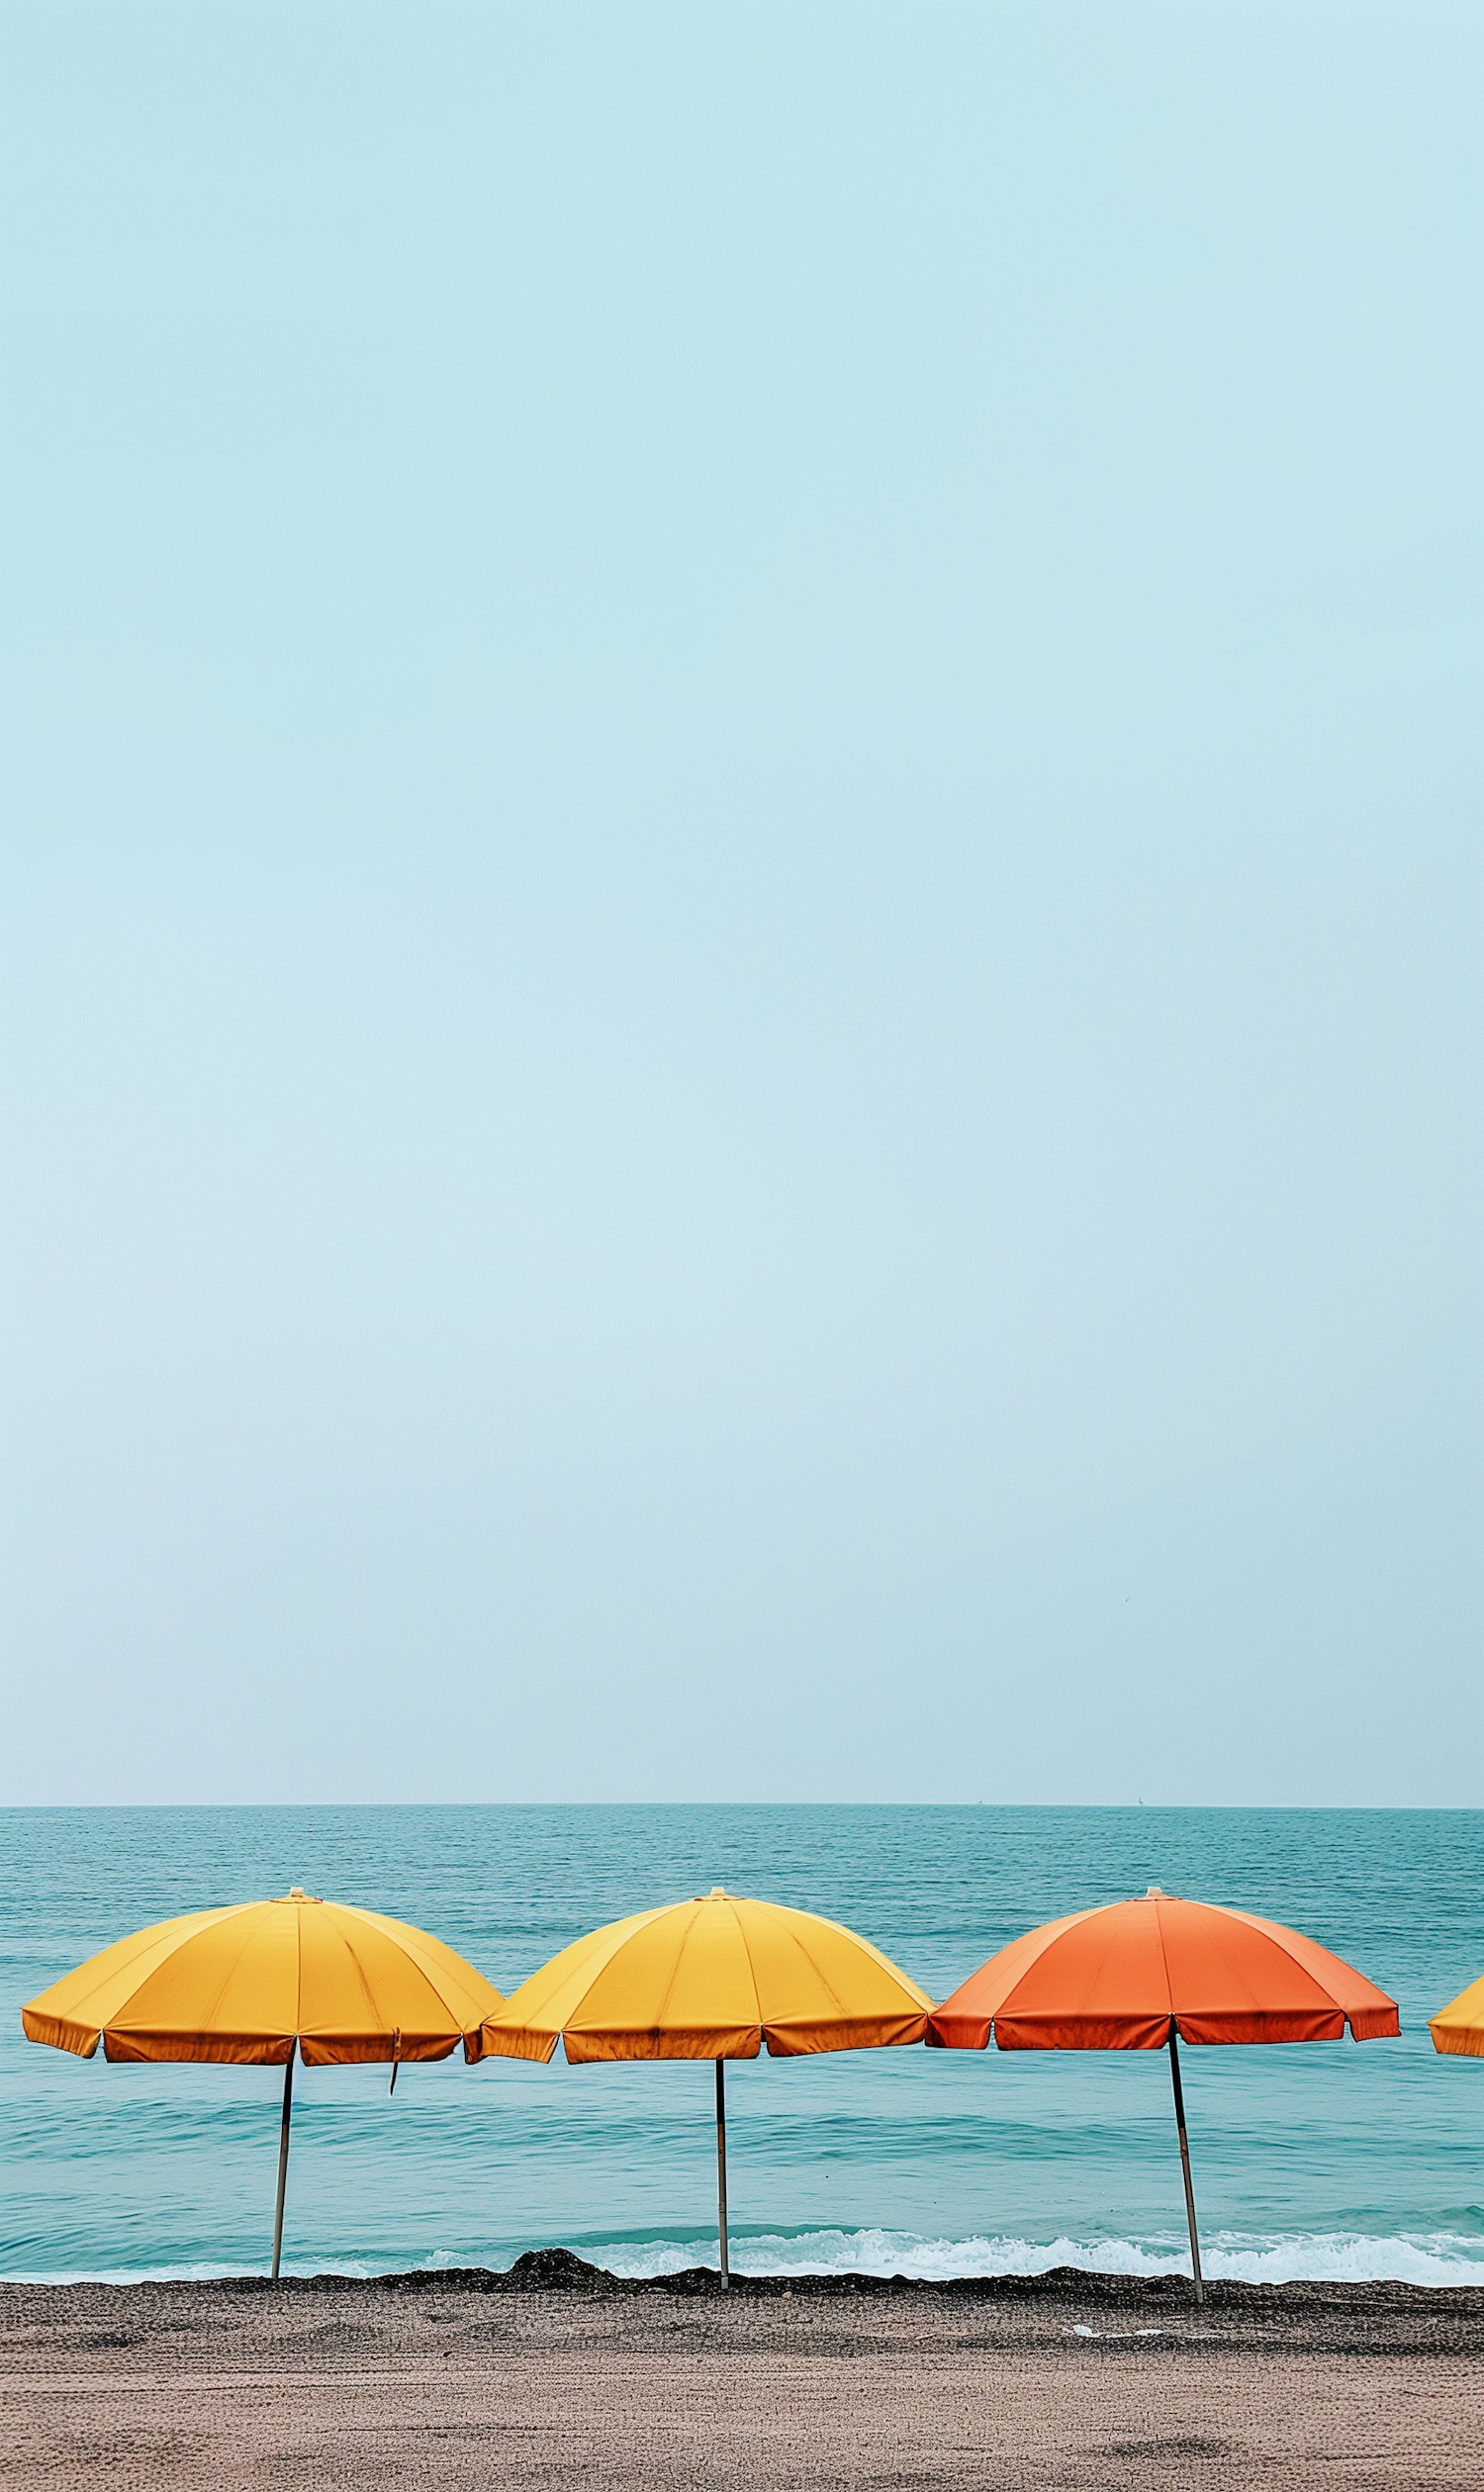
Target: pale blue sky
x=742, y=951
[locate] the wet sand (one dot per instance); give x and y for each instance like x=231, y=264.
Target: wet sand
x=557, y=2376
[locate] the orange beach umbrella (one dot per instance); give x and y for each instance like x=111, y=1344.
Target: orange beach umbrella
x=1131, y=1977
x=711, y=1979
x=247, y=1983
x=1459, y=2029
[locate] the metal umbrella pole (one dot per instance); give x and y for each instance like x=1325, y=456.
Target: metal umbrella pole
x=1179, y=2104
x=727, y=2267
x=283, y=2157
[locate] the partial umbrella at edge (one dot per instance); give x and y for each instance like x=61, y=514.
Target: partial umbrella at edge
x=1457, y=2030
x=245, y=1985
x=715, y=1978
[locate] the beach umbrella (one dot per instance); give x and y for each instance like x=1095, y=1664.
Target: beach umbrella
x=1458, y=2028
x=1136, y=1975
x=245, y=1984
x=710, y=1979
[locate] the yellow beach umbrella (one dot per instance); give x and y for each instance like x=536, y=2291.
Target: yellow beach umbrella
x=1458, y=2028
x=245, y=1985
x=711, y=1979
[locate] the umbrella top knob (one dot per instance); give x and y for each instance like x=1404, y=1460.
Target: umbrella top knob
x=718, y=1891
x=1149, y=1891
x=296, y=1894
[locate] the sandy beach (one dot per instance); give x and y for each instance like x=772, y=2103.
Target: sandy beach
x=555, y=2375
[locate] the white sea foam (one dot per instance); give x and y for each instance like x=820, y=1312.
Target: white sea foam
x=1437, y=2258
x=1246, y=2258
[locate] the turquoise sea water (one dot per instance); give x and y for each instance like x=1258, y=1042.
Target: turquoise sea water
x=1328, y=2160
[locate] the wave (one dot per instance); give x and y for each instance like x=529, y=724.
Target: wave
x=1438, y=2259
x=1428, y=2258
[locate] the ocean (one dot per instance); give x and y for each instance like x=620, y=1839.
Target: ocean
x=1329, y=2159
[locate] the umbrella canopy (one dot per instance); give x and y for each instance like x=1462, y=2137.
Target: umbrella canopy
x=1458, y=2028
x=243, y=1983
x=711, y=1979
x=247, y=1985
x=1118, y=1978
x=1134, y=1976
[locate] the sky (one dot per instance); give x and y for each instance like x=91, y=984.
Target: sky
x=742, y=902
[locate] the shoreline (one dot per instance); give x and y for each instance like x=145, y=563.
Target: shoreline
x=1388, y=2314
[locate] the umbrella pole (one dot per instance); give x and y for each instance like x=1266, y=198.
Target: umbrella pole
x=727, y=2267
x=283, y=2157
x=1179, y=2103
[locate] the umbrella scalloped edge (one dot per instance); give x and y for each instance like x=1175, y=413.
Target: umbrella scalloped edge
x=1152, y=2033
x=235, y=2050
x=62, y=2032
